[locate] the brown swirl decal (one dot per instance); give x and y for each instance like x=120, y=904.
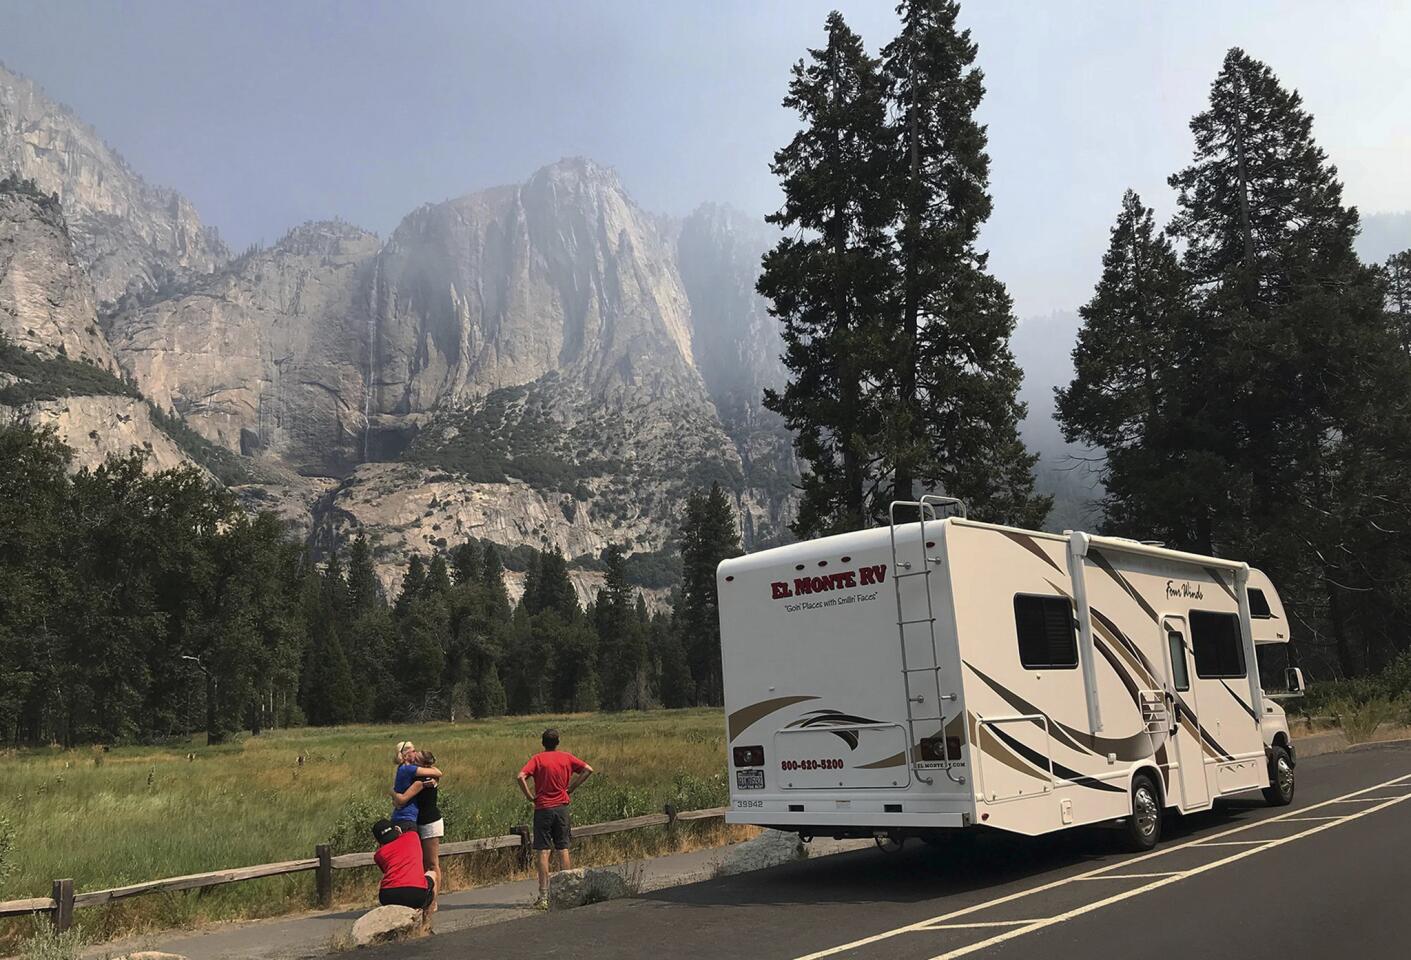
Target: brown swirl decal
x=742, y=719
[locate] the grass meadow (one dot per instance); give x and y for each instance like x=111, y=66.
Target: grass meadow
x=141, y=813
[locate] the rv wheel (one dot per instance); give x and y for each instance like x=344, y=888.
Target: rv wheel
x=1279, y=792
x=1143, y=828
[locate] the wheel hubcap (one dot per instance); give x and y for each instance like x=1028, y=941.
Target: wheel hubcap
x=1285, y=774
x=1144, y=811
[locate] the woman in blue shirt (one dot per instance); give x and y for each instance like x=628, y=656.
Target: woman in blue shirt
x=408, y=772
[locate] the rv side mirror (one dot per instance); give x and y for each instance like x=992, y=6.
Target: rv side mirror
x=1294, y=679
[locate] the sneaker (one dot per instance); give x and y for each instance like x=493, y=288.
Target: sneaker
x=542, y=902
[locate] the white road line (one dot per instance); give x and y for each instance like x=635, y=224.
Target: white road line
x=1130, y=876
x=1160, y=852
x=1236, y=843
x=979, y=923
x=1128, y=894
x=1361, y=800
x=1307, y=819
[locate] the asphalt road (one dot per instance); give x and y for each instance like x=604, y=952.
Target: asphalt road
x=1325, y=877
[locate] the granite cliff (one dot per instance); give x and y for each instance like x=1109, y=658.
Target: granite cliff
x=542, y=363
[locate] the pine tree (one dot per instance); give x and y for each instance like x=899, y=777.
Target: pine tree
x=1398, y=298
x=467, y=563
x=413, y=585
x=1290, y=333
x=951, y=410
x=364, y=589
x=330, y=698
x=622, y=644
x=492, y=573
x=677, y=687
x=829, y=280
x=438, y=578
x=708, y=536
x=1130, y=366
x=548, y=587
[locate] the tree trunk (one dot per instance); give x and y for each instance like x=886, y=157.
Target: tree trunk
x=1347, y=661
x=213, y=734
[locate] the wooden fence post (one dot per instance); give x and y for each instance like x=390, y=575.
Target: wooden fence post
x=522, y=831
x=323, y=875
x=63, y=905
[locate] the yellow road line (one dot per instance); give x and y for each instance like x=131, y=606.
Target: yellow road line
x=1160, y=852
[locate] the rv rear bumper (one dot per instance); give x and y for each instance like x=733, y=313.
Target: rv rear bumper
x=848, y=820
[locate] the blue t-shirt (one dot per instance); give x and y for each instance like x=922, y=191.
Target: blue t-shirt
x=406, y=775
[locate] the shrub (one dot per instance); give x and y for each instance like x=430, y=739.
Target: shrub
x=352, y=831
x=1359, y=721
x=45, y=944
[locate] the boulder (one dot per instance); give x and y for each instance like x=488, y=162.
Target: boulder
x=577, y=888
x=387, y=923
x=769, y=849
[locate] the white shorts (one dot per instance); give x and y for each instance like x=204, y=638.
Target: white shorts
x=432, y=830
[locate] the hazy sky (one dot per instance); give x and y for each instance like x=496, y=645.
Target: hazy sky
x=267, y=114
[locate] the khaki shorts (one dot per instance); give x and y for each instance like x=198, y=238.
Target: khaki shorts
x=432, y=830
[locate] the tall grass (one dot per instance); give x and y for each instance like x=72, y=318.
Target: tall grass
x=141, y=813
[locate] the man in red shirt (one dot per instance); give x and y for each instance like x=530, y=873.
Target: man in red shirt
x=405, y=881
x=556, y=774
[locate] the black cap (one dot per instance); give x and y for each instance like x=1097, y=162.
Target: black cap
x=385, y=830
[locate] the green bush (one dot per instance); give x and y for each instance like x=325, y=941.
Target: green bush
x=45, y=944
x=1359, y=720
x=352, y=831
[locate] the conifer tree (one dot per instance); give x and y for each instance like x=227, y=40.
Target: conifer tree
x=492, y=575
x=1398, y=298
x=829, y=279
x=708, y=536
x=951, y=384
x=413, y=585
x=1127, y=393
x=364, y=589
x=467, y=563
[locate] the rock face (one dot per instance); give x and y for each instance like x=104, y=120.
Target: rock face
x=577, y=888
x=542, y=364
x=770, y=849
x=99, y=427
x=385, y=924
x=130, y=235
x=269, y=356
x=46, y=300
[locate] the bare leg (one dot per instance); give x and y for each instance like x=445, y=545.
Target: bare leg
x=565, y=861
x=542, y=862
x=431, y=862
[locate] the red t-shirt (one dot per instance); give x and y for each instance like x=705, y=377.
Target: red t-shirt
x=551, y=771
x=400, y=862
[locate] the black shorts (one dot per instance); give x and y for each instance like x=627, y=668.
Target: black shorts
x=552, y=828
x=415, y=897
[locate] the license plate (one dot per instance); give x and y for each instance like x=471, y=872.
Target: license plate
x=749, y=779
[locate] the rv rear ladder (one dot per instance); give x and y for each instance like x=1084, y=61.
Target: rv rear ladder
x=925, y=509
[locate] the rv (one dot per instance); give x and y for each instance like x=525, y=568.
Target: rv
x=938, y=674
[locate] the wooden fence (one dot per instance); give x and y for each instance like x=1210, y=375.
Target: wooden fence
x=63, y=900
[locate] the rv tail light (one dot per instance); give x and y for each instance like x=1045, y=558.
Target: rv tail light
x=953, y=747
x=749, y=756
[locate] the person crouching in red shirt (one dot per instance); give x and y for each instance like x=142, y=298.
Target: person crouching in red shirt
x=405, y=881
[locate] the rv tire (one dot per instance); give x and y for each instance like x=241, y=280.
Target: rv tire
x=1142, y=829
x=1279, y=792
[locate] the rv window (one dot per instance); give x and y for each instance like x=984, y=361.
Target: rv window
x=1180, y=677
x=1259, y=605
x=1219, y=649
x=1046, y=632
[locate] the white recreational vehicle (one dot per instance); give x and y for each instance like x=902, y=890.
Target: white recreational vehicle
x=942, y=673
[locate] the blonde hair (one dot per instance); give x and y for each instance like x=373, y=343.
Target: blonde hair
x=402, y=747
